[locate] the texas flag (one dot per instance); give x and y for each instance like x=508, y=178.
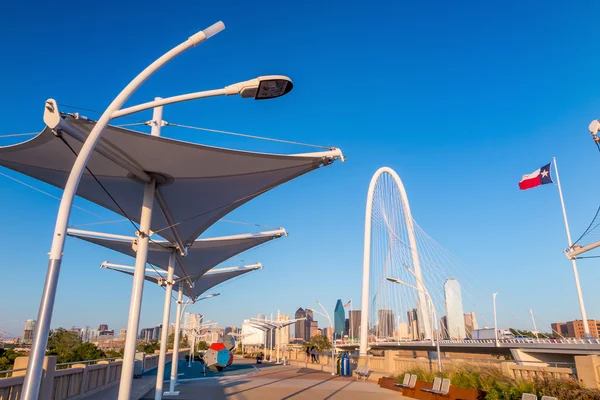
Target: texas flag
x=536, y=178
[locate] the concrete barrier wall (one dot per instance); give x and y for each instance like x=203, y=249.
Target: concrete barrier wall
x=393, y=363
x=76, y=382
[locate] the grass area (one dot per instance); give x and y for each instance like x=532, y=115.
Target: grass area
x=500, y=387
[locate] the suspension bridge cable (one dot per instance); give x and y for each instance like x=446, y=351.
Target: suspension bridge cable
x=51, y=195
x=197, y=128
x=101, y=185
x=19, y=134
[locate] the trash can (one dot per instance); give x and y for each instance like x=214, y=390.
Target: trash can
x=138, y=369
x=345, y=365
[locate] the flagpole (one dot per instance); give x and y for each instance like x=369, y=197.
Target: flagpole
x=351, y=324
x=586, y=328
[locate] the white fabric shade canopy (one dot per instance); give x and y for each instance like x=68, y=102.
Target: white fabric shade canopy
x=202, y=284
x=203, y=255
x=196, y=184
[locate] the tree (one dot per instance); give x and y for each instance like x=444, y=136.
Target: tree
x=522, y=333
x=114, y=353
x=61, y=343
x=7, y=358
x=183, y=341
x=202, y=345
x=87, y=351
x=320, y=342
x=148, y=348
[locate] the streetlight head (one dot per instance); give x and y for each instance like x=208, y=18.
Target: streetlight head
x=262, y=88
x=395, y=280
x=270, y=87
x=214, y=29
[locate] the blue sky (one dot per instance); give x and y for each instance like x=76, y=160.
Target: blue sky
x=460, y=99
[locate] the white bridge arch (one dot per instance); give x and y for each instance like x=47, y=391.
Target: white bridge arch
x=387, y=190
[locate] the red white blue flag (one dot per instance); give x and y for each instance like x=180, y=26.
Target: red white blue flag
x=348, y=304
x=536, y=178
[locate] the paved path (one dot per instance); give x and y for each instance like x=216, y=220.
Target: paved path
x=280, y=382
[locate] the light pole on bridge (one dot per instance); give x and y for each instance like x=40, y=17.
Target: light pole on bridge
x=434, y=316
x=535, y=332
x=495, y=319
x=332, y=334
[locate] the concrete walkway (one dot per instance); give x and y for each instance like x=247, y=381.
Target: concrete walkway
x=139, y=387
x=280, y=382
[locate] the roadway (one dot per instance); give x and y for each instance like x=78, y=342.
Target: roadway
x=503, y=347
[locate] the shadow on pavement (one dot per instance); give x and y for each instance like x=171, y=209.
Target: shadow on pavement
x=308, y=388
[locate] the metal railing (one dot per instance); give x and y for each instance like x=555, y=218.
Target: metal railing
x=488, y=341
x=86, y=362
x=8, y=373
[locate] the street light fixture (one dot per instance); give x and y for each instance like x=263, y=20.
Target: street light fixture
x=179, y=315
x=332, y=336
x=261, y=88
x=434, y=316
x=256, y=88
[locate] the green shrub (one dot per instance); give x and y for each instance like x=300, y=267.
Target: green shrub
x=500, y=387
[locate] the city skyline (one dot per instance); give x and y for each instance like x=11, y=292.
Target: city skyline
x=405, y=146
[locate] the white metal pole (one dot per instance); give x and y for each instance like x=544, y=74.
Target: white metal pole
x=439, y=353
x=265, y=355
x=271, y=351
x=278, y=340
x=192, y=349
x=175, y=358
x=495, y=319
x=165, y=329
x=33, y=376
x=137, y=292
x=534, y=327
x=586, y=327
x=364, y=316
x=350, y=319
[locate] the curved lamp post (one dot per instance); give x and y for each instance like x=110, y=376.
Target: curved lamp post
x=434, y=316
x=326, y=315
x=178, y=316
x=259, y=89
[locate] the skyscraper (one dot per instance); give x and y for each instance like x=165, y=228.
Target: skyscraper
x=28, y=331
x=470, y=324
x=354, y=317
x=191, y=320
x=386, y=323
x=339, y=319
x=309, y=321
x=314, y=329
x=283, y=336
x=444, y=326
x=347, y=326
x=454, y=309
x=413, y=324
x=300, y=328
x=403, y=333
